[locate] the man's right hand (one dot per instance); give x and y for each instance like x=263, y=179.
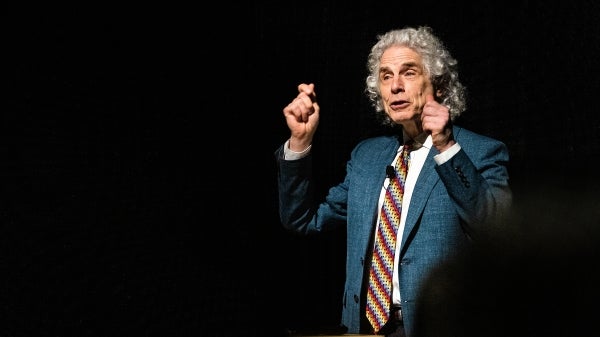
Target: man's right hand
x=302, y=117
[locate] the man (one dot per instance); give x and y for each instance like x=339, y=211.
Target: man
x=455, y=192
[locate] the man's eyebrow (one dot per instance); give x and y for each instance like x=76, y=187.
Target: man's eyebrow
x=407, y=65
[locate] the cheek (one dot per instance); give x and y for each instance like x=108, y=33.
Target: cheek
x=428, y=89
x=385, y=96
x=384, y=92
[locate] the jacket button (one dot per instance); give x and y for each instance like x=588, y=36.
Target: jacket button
x=356, y=299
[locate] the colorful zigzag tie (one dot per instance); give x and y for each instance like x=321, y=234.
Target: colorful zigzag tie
x=379, y=293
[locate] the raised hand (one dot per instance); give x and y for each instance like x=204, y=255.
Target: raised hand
x=302, y=117
x=435, y=119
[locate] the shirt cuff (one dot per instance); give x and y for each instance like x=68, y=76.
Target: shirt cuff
x=293, y=155
x=443, y=157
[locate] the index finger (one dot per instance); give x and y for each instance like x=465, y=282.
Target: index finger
x=308, y=89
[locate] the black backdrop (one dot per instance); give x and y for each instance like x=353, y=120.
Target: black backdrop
x=127, y=127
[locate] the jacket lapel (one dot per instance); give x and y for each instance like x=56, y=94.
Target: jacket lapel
x=427, y=179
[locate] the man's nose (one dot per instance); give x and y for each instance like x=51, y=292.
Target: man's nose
x=397, y=85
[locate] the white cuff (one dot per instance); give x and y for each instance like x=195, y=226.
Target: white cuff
x=443, y=157
x=293, y=155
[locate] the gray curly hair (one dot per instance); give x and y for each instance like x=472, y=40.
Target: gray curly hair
x=440, y=66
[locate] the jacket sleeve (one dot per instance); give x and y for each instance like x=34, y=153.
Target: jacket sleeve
x=299, y=210
x=476, y=179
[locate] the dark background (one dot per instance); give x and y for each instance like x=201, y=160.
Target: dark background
x=139, y=184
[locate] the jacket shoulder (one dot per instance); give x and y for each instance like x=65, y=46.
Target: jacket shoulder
x=466, y=136
x=375, y=142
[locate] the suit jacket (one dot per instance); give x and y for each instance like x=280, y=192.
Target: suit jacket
x=452, y=205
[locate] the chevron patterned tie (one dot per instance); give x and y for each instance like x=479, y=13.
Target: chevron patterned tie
x=379, y=294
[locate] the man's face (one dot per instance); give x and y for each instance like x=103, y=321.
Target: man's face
x=403, y=84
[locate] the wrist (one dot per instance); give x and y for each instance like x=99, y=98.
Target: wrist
x=298, y=145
